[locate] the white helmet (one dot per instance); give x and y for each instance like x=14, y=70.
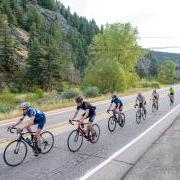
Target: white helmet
x=25, y=105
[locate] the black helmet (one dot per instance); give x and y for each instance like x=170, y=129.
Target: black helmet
x=78, y=99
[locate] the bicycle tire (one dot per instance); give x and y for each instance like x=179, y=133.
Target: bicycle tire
x=44, y=142
x=77, y=136
x=112, y=121
x=122, y=120
x=6, y=150
x=138, y=116
x=97, y=137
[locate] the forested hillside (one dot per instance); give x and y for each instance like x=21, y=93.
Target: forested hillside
x=42, y=44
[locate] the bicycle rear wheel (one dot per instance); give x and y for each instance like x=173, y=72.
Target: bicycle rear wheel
x=15, y=153
x=138, y=116
x=122, y=119
x=97, y=133
x=47, y=141
x=75, y=140
x=112, y=124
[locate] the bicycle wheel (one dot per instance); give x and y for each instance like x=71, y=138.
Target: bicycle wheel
x=122, y=119
x=75, y=140
x=97, y=133
x=143, y=114
x=138, y=116
x=15, y=153
x=154, y=107
x=112, y=124
x=47, y=141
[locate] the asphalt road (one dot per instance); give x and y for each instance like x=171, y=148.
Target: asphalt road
x=60, y=163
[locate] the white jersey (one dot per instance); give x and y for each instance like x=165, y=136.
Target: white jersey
x=141, y=99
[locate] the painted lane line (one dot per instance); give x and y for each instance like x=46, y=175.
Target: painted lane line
x=97, y=168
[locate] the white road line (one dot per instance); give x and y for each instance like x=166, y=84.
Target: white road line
x=97, y=168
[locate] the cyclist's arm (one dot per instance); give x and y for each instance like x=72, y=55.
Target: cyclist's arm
x=85, y=116
x=30, y=123
x=75, y=114
x=19, y=122
x=136, y=101
x=110, y=106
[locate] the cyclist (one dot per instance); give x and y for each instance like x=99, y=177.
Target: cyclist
x=89, y=114
x=118, y=104
x=142, y=102
x=171, y=93
x=34, y=117
x=155, y=97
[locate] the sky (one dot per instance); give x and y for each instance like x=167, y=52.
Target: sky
x=158, y=21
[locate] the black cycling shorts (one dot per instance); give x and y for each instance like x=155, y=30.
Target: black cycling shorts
x=91, y=116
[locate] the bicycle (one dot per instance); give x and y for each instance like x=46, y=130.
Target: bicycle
x=75, y=138
x=16, y=151
x=154, y=105
x=171, y=99
x=140, y=114
x=113, y=120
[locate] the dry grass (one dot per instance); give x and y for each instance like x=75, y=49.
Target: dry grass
x=67, y=103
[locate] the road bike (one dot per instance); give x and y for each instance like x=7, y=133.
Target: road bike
x=114, y=119
x=140, y=114
x=16, y=151
x=75, y=139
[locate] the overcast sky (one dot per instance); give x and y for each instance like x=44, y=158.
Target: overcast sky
x=153, y=18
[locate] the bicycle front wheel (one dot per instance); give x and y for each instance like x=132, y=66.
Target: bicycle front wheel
x=75, y=140
x=112, y=124
x=138, y=116
x=15, y=153
x=47, y=141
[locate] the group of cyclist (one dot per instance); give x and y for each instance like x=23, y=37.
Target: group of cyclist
x=36, y=117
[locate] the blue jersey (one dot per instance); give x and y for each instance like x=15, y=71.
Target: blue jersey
x=116, y=101
x=33, y=112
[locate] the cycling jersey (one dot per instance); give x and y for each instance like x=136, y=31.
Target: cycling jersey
x=171, y=90
x=117, y=101
x=39, y=117
x=155, y=95
x=141, y=99
x=86, y=105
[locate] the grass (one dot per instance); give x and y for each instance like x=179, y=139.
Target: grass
x=50, y=102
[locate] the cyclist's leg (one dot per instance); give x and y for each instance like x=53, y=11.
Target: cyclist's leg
x=41, y=122
x=90, y=123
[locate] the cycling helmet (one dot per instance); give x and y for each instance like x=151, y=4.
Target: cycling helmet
x=25, y=105
x=113, y=96
x=78, y=99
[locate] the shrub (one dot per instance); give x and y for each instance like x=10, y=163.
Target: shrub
x=5, y=108
x=7, y=97
x=70, y=94
x=155, y=85
x=91, y=92
x=39, y=93
x=31, y=97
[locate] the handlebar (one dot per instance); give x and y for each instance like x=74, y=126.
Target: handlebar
x=10, y=129
x=71, y=121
